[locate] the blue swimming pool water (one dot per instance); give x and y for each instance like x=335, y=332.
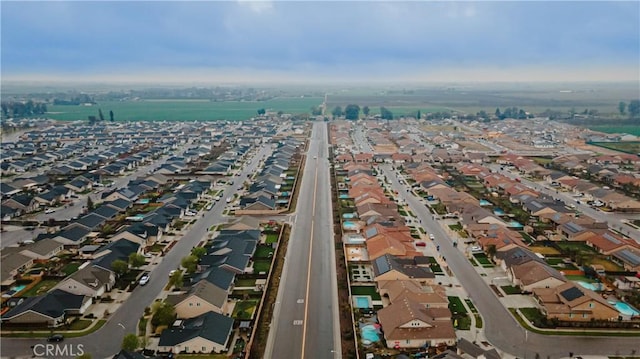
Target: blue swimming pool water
x=498, y=212
x=587, y=285
x=484, y=202
x=626, y=309
x=348, y=215
x=514, y=224
x=344, y=196
x=362, y=301
x=18, y=288
x=369, y=334
x=350, y=225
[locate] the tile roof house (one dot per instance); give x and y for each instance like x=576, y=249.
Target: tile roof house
x=571, y=302
x=50, y=308
x=206, y=333
x=388, y=267
x=410, y=324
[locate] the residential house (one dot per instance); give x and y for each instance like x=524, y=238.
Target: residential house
x=571, y=302
x=205, y=333
x=50, y=309
x=200, y=298
x=89, y=280
x=388, y=267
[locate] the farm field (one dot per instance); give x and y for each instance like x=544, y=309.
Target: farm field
x=181, y=110
x=628, y=147
x=630, y=129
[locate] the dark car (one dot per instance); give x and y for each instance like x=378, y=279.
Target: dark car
x=55, y=338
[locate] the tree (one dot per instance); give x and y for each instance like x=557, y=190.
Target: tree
x=337, y=111
x=622, y=107
x=100, y=115
x=199, y=251
x=119, y=267
x=111, y=116
x=136, y=260
x=365, y=110
x=90, y=204
x=316, y=110
x=261, y=111
x=497, y=113
x=634, y=108
x=190, y=263
x=352, y=112
x=164, y=314
x=386, y=114
x=130, y=342
x=176, y=279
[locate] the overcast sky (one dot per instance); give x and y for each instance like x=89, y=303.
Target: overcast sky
x=320, y=40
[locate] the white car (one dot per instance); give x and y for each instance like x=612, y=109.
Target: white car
x=476, y=249
x=144, y=279
x=49, y=210
x=431, y=236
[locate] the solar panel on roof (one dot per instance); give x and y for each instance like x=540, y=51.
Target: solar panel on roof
x=611, y=238
x=573, y=227
x=572, y=293
x=382, y=264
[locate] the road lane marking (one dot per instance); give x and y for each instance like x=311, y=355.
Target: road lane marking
x=306, y=304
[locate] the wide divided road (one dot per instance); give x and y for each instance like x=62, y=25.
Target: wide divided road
x=107, y=341
x=500, y=328
x=305, y=321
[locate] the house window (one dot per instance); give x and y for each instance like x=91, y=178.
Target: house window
x=204, y=349
x=590, y=305
x=570, y=315
x=191, y=304
x=584, y=315
x=198, y=304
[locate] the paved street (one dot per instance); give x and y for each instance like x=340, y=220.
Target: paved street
x=500, y=328
x=615, y=219
x=306, y=323
x=106, y=341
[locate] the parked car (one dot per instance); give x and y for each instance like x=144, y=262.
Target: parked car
x=476, y=249
x=431, y=236
x=55, y=338
x=49, y=210
x=144, y=279
x=421, y=244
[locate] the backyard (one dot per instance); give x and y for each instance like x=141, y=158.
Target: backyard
x=365, y=290
x=483, y=260
x=243, y=310
x=261, y=266
x=40, y=288
x=271, y=238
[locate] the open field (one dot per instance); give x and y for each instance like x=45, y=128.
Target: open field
x=178, y=110
x=472, y=98
x=628, y=147
x=630, y=129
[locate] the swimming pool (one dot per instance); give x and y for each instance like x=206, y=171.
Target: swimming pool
x=484, y=202
x=344, y=196
x=498, y=212
x=350, y=225
x=14, y=290
x=514, y=224
x=349, y=215
x=588, y=285
x=362, y=301
x=625, y=309
x=370, y=334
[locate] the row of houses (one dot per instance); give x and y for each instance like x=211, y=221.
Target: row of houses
x=415, y=311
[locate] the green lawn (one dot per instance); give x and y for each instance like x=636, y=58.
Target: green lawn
x=554, y=261
x=271, y=238
x=483, y=260
x=534, y=315
x=580, y=278
x=80, y=324
x=577, y=246
x=365, y=290
x=263, y=251
x=40, y=288
x=70, y=268
x=248, y=282
x=456, y=306
x=261, y=265
x=243, y=310
x=510, y=289
x=455, y=227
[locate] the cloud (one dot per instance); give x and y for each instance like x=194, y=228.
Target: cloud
x=331, y=38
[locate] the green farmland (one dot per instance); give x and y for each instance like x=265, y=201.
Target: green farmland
x=182, y=110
